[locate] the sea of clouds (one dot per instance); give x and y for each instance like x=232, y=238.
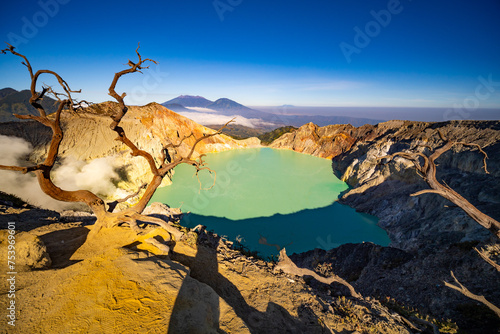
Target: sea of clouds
x=216, y=119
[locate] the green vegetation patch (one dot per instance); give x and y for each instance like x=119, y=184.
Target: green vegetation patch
x=269, y=137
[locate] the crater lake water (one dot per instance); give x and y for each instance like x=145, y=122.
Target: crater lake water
x=269, y=199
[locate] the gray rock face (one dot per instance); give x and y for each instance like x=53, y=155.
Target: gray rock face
x=384, y=190
x=430, y=235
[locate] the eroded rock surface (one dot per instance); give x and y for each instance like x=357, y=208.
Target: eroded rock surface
x=431, y=235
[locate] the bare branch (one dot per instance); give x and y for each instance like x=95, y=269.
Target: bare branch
x=287, y=266
x=212, y=172
x=205, y=136
x=442, y=136
x=23, y=170
x=428, y=172
x=486, y=258
x=25, y=62
x=485, y=156
x=427, y=191
x=463, y=290
x=411, y=156
x=171, y=145
x=106, y=218
x=112, y=205
x=42, y=171
x=134, y=67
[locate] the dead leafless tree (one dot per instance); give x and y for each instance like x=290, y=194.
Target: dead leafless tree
x=427, y=171
x=106, y=217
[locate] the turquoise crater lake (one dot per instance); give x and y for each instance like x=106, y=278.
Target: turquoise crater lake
x=269, y=199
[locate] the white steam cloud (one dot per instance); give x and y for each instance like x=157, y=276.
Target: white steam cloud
x=12, y=149
x=214, y=119
x=98, y=176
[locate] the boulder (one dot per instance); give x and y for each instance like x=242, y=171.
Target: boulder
x=30, y=251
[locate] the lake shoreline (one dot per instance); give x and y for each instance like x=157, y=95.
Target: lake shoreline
x=264, y=193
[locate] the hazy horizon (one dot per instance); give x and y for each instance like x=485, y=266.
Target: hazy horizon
x=423, y=114
x=396, y=53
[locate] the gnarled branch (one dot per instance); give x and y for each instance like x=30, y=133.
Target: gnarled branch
x=287, y=266
x=105, y=217
x=112, y=205
x=43, y=170
x=463, y=290
x=486, y=258
x=428, y=173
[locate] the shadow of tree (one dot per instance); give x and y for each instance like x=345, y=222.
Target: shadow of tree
x=62, y=244
x=275, y=319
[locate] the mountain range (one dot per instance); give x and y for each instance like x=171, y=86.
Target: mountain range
x=223, y=106
x=17, y=102
x=227, y=107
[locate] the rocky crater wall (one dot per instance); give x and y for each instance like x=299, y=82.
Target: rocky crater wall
x=430, y=235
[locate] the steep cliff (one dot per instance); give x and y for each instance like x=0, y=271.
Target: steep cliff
x=377, y=188
x=87, y=136
x=430, y=236
x=325, y=142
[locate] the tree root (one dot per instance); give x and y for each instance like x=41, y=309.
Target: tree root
x=132, y=220
x=178, y=235
x=161, y=246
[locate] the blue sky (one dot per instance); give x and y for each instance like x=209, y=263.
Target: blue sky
x=418, y=54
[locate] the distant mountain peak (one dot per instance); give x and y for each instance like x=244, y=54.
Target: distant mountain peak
x=191, y=96
x=225, y=104
x=189, y=101
x=7, y=91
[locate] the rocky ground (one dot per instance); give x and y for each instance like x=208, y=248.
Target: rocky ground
x=430, y=236
x=115, y=284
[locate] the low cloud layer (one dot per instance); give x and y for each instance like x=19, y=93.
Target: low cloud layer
x=214, y=119
x=97, y=176
x=202, y=109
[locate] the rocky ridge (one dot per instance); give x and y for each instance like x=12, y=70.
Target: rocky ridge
x=430, y=236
